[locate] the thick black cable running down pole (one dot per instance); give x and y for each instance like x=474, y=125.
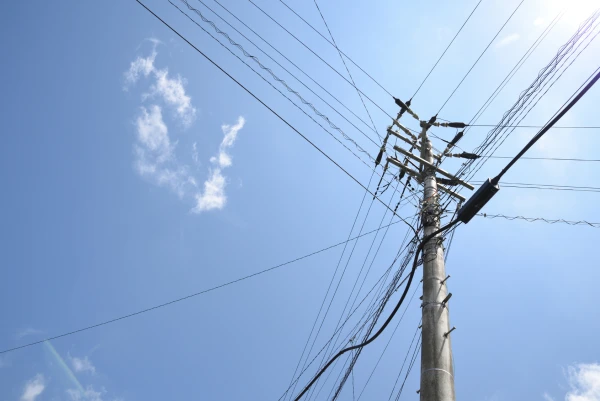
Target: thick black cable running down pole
x=389, y=319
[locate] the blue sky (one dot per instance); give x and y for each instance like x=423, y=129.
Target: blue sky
x=135, y=172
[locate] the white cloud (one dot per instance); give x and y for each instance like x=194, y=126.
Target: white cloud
x=140, y=66
x=171, y=90
x=538, y=21
x=89, y=394
x=33, y=388
x=195, y=156
x=154, y=150
x=508, y=40
x=548, y=397
x=213, y=196
x=584, y=380
x=27, y=332
x=154, y=153
x=82, y=365
x=173, y=93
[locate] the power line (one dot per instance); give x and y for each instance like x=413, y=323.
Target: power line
x=390, y=317
x=559, y=114
x=263, y=103
x=532, y=126
x=276, y=78
x=544, y=158
x=542, y=219
x=346, y=66
x=320, y=58
x=195, y=294
x=329, y=288
x=292, y=63
x=545, y=186
x=449, y=44
x=352, y=61
x=289, y=72
x=479, y=58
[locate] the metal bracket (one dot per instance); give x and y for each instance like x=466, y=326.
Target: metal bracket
x=439, y=170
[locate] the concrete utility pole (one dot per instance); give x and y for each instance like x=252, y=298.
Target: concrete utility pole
x=437, y=373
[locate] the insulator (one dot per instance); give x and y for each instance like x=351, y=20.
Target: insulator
x=457, y=125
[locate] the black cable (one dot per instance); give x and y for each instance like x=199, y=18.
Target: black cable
x=329, y=287
x=412, y=362
x=265, y=105
x=530, y=126
x=594, y=78
x=292, y=63
x=546, y=187
x=277, y=79
x=523, y=108
x=353, y=359
x=479, y=58
x=389, y=319
x=293, y=76
x=388, y=344
x=346, y=66
x=563, y=54
x=348, y=57
x=197, y=293
x=374, y=316
x=450, y=44
x=320, y=58
x=544, y=158
x=405, y=358
x=534, y=219
x=379, y=282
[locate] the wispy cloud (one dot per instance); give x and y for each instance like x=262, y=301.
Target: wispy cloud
x=170, y=90
x=154, y=153
x=27, y=332
x=173, y=93
x=584, y=380
x=82, y=364
x=548, y=397
x=33, y=388
x=213, y=196
x=141, y=66
x=89, y=394
x=508, y=40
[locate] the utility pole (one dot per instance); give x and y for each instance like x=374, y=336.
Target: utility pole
x=437, y=368
x=437, y=372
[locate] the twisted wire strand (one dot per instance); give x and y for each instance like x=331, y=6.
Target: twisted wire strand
x=276, y=78
x=534, y=219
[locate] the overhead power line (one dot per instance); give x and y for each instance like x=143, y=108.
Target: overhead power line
x=104, y=323
x=449, y=44
x=285, y=69
x=276, y=78
x=292, y=63
x=544, y=158
x=264, y=104
x=541, y=219
x=390, y=317
x=345, y=55
x=320, y=58
x=345, y=65
x=550, y=187
x=532, y=126
x=480, y=56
